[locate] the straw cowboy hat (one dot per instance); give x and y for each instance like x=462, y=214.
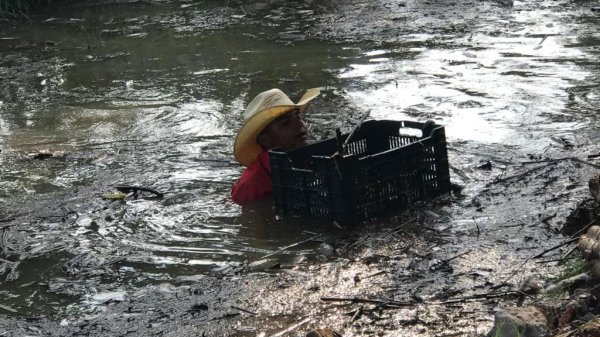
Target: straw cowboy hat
x=261, y=111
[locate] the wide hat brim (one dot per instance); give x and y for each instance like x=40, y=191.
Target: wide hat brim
x=246, y=148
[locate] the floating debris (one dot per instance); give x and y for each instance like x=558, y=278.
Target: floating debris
x=106, y=297
x=594, y=185
x=264, y=264
x=118, y=195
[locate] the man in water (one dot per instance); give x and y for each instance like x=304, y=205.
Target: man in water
x=271, y=120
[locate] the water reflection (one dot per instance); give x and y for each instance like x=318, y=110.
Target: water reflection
x=152, y=95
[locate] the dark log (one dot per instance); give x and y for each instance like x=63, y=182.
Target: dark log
x=135, y=189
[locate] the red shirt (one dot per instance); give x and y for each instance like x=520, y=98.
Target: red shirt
x=255, y=181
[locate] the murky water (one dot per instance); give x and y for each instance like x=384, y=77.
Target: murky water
x=152, y=95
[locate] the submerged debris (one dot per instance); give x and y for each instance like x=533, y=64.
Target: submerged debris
x=123, y=191
x=324, y=332
x=136, y=189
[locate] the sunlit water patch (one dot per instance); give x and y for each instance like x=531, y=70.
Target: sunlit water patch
x=520, y=79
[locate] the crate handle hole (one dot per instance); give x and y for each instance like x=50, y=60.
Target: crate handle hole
x=410, y=132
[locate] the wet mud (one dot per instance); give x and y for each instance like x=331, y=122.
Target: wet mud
x=73, y=263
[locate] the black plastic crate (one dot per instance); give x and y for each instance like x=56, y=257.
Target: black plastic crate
x=386, y=166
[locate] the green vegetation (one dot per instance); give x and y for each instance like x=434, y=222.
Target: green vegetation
x=501, y=331
x=19, y=7
x=576, y=266
x=573, y=267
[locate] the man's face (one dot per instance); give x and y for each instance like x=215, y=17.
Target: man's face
x=287, y=131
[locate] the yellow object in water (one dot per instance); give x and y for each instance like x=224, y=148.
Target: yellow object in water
x=118, y=195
